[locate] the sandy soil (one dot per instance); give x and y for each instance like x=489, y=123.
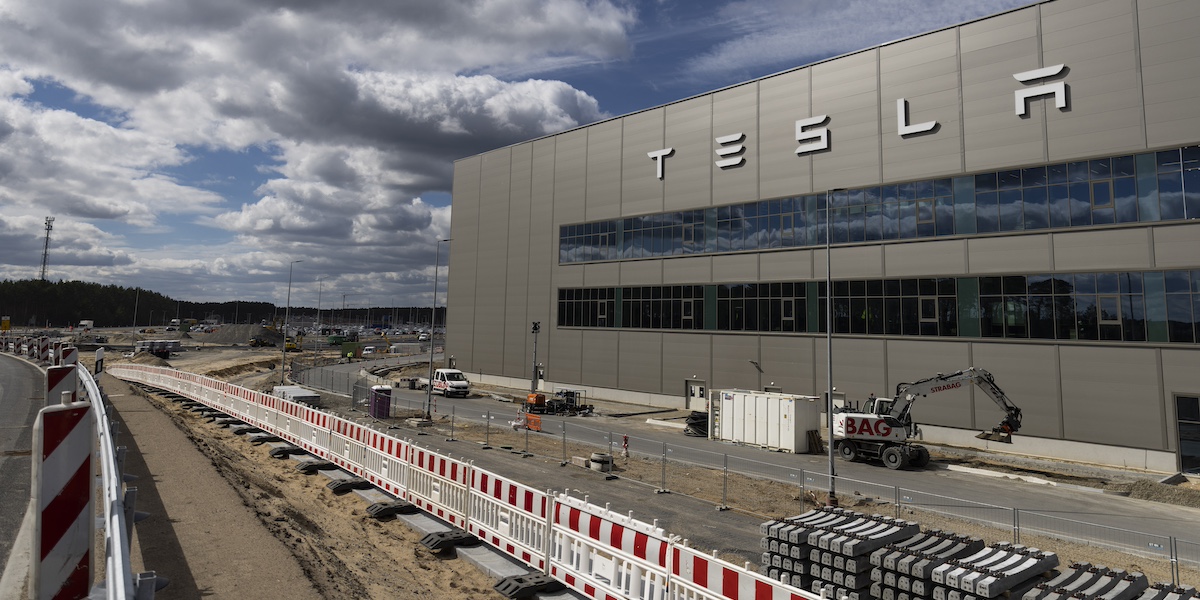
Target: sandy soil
x=344, y=553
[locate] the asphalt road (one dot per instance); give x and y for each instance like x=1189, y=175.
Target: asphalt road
x=22, y=395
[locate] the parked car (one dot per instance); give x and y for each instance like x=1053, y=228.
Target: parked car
x=424, y=337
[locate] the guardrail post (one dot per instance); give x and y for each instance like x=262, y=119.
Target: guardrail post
x=145, y=585
x=662, y=488
x=564, y=445
x=724, y=483
x=1174, y=561
x=487, y=431
x=897, y=491
x=1016, y=526
x=129, y=502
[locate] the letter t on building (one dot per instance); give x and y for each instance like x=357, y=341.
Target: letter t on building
x=659, y=157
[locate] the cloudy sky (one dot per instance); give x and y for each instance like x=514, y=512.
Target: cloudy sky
x=196, y=148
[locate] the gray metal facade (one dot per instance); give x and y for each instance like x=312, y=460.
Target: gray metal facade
x=1133, y=80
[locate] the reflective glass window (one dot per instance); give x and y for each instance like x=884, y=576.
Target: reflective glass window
x=1170, y=196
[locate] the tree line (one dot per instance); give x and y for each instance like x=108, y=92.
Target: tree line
x=37, y=303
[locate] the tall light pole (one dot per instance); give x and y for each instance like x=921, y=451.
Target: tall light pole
x=533, y=381
x=137, y=296
x=831, y=500
x=287, y=319
x=432, y=326
x=320, y=286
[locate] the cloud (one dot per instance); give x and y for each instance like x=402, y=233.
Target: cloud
x=768, y=34
x=360, y=106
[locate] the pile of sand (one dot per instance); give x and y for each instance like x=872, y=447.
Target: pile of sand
x=241, y=334
x=145, y=358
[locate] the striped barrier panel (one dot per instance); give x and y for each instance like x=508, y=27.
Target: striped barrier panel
x=59, y=381
x=598, y=553
x=44, y=350
x=510, y=516
x=64, y=435
x=56, y=353
x=70, y=356
x=603, y=554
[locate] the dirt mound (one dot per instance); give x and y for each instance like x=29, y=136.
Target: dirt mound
x=241, y=334
x=145, y=358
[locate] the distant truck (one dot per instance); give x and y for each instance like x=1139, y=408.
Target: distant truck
x=448, y=382
x=87, y=324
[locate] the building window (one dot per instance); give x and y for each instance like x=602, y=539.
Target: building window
x=1149, y=187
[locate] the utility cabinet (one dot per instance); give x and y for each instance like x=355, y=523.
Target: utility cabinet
x=768, y=419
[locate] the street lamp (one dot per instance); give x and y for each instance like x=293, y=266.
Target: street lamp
x=320, y=286
x=433, y=326
x=537, y=326
x=287, y=319
x=831, y=500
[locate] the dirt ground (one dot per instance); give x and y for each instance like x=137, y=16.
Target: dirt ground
x=346, y=554
x=328, y=540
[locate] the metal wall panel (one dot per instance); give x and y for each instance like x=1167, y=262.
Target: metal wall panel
x=1177, y=246
x=543, y=242
x=602, y=275
x=1102, y=250
x=492, y=261
x=460, y=291
x=1017, y=254
x=993, y=50
x=786, y=265
x=600, y=354
x=516, y=294
x=859, y=368
x=849, y=262
x=685, y=357
x=923, y=259
x=731, y=362
x=912, y=360
x=564, y=359
x=695, y=269
x=570, y=177
x=642, y=272
x=1170, y=70
x=1180, y=377
x=923, y=71
x=1106, y=393
x=1028, y=374
x=847, y=90
x=604, y=171
x=791, y=363
x=1097, y=41
x=640, y=361
x=782, y=100
x=641, y=190
x=689, y=131
x=735, y=110
x=735, y=267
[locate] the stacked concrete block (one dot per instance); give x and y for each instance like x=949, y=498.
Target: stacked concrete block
x=829, y=549
x=1001, y=568
x=903, y=571
x=1094, y=582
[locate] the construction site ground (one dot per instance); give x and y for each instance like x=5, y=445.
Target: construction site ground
x=343, y=553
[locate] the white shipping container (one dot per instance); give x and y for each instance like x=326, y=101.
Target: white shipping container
x=767, y=419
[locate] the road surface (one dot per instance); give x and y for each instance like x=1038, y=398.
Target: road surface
x=22, y=395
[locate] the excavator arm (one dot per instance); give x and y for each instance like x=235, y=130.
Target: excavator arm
x=907, y=393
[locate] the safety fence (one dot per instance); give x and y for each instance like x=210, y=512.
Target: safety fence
x=596, y=552
x=63, y=570
x=742, y=485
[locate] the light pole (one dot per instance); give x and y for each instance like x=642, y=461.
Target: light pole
x=537, y=326
x=287, y=319
x=831, y=500
x=320, y=286
x=137, y=296
x=432, y=326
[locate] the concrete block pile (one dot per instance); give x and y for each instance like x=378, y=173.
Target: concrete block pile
x=1085, y=581
x=846, y=554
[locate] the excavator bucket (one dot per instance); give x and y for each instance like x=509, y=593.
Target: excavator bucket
x=996, y=436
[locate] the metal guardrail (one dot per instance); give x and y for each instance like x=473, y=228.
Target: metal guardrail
x=120, y=583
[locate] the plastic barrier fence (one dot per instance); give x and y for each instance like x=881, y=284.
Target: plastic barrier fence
x=599, y=553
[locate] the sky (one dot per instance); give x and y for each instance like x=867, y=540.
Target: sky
x=204, y=149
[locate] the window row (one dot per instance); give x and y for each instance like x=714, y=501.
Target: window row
x=1150, y=187
x=1151, y=306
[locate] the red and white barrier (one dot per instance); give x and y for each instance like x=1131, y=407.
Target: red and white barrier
x=59, y=381
x=70, y=355
x=62, y=497
x=599, y=553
